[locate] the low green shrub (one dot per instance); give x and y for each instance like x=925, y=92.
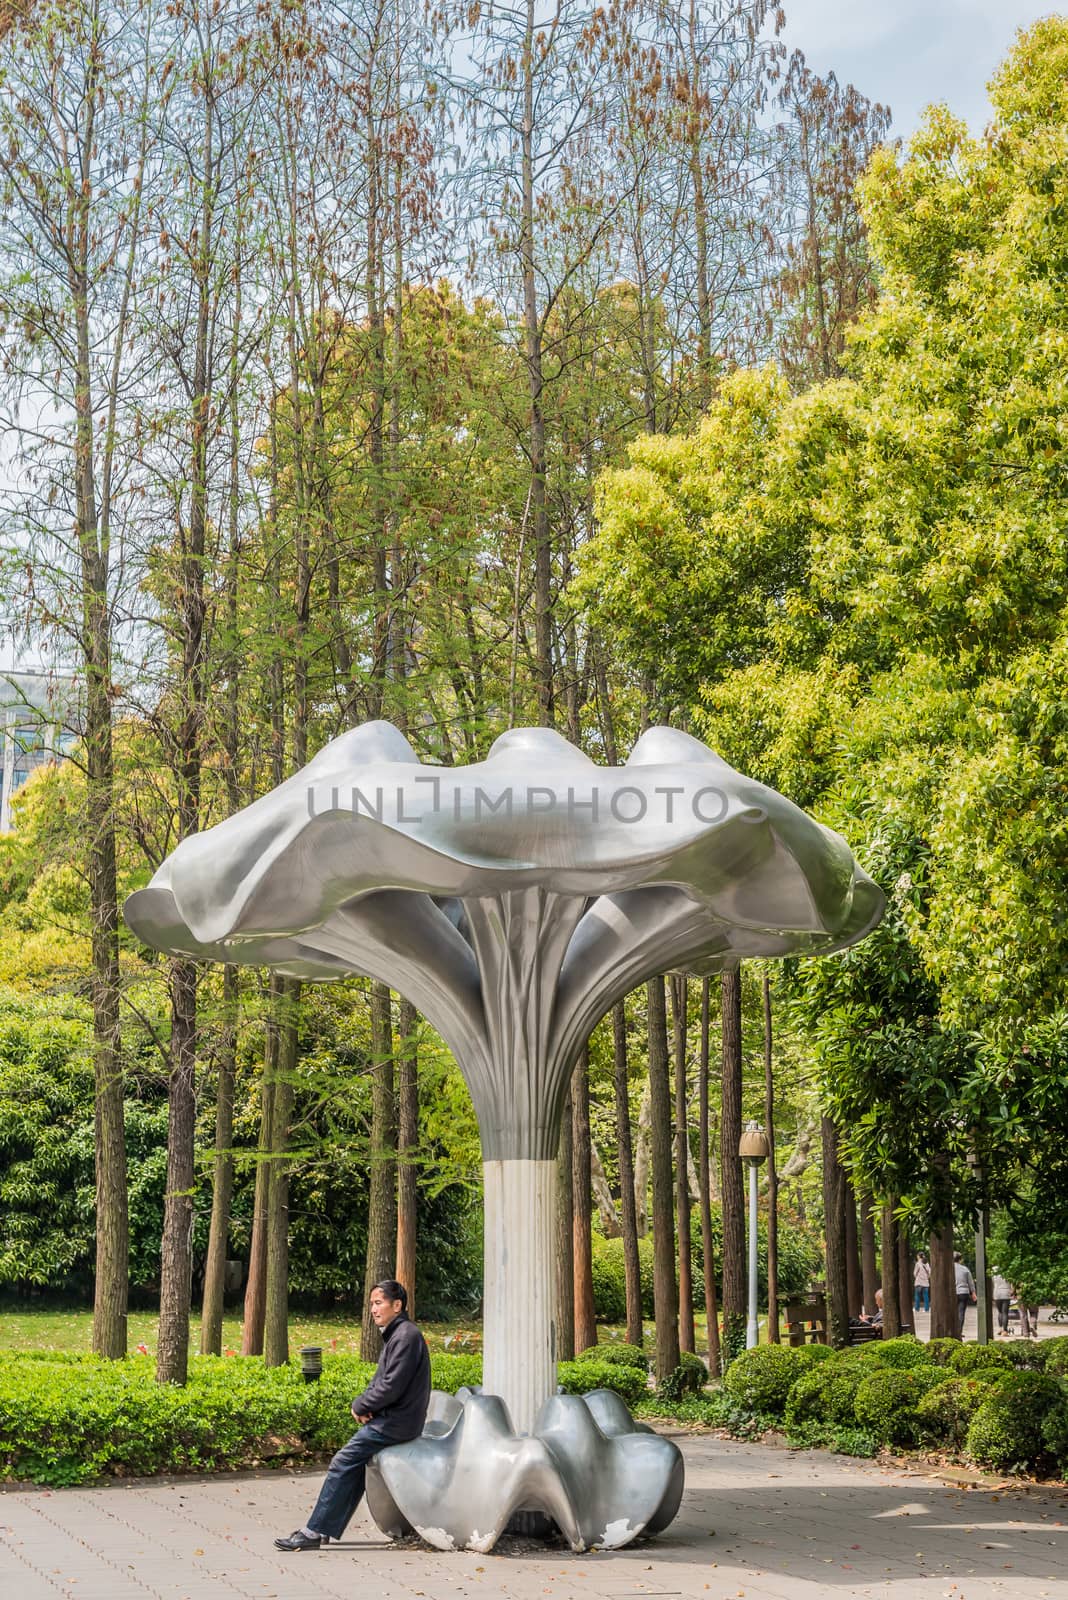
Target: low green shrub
x=610, y=1278
x=825, y=1393
x=68, y=1421
x=689, y=1377
x=761, y=1379
x=579, y=1377
x=713, y=1410
x=821, y=1436
x=885, y=1403
x=621, y=1355
x=450, y=1373
x=971, y=1357
x=903, y=1352
x=1053, y=1354
x=1026, y=1355
x=1008, y=1430
x=1055, y=1435
x=939, y=1351
x=945, y=1411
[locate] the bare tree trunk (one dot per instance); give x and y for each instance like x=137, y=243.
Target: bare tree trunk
x=408, y=1142
x=641, y=1163
x=773, y=1173
x=944, y=1318
x=581, y=1213
x=704, y=1180
x=211, y=1317
x=256, y=1285
x=603, y=1198
x=733, y=1201
x=665, y=1288
x=565, y=1240
x=834, y=1234
x=891, y=1296
x=382, y=1202
x=854, y=1279
x=539, y=509
x=631, y=1259
x=904, y=1280
x=176, y=1275
x=679, y=997
x=111, y=1282
x=276, y=1314
x=869, y=1272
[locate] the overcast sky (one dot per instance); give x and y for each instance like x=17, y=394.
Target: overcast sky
x=908, y=53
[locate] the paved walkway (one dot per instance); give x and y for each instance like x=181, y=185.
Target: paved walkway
x=756, y=1521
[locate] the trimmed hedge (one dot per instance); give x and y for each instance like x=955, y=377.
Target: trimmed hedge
x=579, y=1377
x=904, y=1352
x=1009, y=1429
x=70, y=1419
x=946, y=1411
x=885, y=1404
x=904, y=1393
x=1054, y=1354
x=761, y=1379
x=977, y=1358
x=621, y=1355
x=825, y=1394
x=689, y=1377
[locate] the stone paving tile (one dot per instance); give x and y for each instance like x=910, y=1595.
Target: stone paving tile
x=757, y=1521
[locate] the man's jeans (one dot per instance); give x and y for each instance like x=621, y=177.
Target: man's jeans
x=343, y=1486
x=963, y=1302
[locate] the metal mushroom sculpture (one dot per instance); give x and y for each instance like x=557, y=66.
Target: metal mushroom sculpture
x=513, y=901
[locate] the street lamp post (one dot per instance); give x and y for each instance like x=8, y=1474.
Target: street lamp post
x=753, y=1147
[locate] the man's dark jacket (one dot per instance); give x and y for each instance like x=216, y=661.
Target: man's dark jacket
x=399, y=1393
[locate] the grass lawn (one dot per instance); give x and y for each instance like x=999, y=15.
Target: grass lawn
x=73, y=1330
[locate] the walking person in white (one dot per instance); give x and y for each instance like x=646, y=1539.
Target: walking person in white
x=921, y=1284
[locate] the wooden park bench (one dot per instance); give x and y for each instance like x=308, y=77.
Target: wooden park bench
x=806, y=1321
x=806, y=1318
x=863, y=1333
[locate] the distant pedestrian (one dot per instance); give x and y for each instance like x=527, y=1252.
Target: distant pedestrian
x=965, y=1287
x=1002, y=1297
x=921, y=1284
x=1028, y=1321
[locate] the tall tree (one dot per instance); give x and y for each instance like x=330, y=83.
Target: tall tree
x=382, y=1201
x=665, y=1284
x=628, y=1212
x=407, y=1148
x=704, y=1182
x=731, y=1187
x=679, y=998
x=891, y=1273
x=565, y=1237
x=828, y=276
x=834, y=1237
x=581, y=1205
x=79, y=176
x=868, y=1265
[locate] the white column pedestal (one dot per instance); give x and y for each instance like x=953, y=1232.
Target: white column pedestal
x=519, y=1337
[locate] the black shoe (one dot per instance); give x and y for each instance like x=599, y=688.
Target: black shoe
x=298, y=1541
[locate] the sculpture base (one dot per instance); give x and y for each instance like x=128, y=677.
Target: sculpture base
x=588, y=1471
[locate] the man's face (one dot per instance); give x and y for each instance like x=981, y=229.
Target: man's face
x=383, y=1311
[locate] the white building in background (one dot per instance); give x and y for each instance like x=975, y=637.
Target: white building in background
x=39, y=723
